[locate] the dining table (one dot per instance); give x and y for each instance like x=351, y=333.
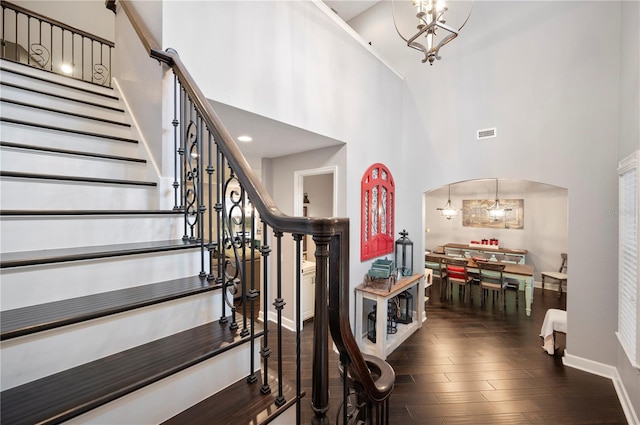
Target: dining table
x=522, y=272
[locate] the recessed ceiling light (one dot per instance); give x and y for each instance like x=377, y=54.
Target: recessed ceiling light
x=245, y=138
x=66, y=68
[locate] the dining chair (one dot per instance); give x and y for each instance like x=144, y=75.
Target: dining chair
x=492, y=279
x=453, y=252
x=512, y=282
x=560, y=275
x=439, y=271
x=459, y=274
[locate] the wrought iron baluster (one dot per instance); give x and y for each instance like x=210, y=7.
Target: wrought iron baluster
x=28, y=39
x=265, y=352
x=210, y=169
x=297, y=237
x=175, y=123
x=200, y=190
x=243, y=275
x=252, y=296
x=219, y=207
x=279, y=305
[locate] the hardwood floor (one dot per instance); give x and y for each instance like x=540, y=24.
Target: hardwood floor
x=479, y=365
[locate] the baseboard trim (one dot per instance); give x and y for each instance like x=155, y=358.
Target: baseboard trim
x=286, y=323
x=605, y=371
x=625, y=401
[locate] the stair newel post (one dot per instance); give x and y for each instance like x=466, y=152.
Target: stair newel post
x=252, y=296
x=176, y=160
x=320, y=384
x=279, y=306
x=265, y=352
x=298, y=238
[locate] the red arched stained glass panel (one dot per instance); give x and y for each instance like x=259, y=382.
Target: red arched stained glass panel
x=377, y=206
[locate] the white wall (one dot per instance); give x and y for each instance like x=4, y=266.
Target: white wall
x=289, y=61
x=531, y=74
x=140, y=79
x=629, y=142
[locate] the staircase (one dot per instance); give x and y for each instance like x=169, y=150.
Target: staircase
x=104, y=316
x=126, y=302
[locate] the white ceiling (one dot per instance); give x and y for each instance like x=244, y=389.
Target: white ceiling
x=271, y=138
x=348, y=9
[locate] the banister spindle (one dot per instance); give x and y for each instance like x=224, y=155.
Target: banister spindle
x=279, y=305
x=265, y=352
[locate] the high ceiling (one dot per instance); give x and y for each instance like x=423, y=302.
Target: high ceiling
x=348, y=9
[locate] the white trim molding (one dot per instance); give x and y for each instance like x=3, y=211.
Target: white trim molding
x=338, y=20
x=606, y=371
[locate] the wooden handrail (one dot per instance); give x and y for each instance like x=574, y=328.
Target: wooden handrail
x=336, y=229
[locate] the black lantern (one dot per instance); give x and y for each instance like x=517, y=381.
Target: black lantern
x=371, y=325
x=405, y=305
x=392, y=317
x=404, y=254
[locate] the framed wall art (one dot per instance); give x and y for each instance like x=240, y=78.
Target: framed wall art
x=474, y=214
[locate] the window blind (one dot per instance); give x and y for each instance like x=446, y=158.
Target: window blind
x=628, y=257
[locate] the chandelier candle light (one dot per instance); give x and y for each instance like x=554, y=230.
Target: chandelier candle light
x=448, y=211
x=430, y=14
x=496, y=211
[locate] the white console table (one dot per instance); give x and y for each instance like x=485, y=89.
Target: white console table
x=366, y=298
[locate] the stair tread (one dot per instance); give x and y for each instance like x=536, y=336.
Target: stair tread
x=71, y=84
x=75, y=391
x=240, y=403
x=36, y=318
x=46, y=256
x=68, y=98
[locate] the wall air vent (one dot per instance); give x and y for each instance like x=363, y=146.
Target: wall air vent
x=487, y=133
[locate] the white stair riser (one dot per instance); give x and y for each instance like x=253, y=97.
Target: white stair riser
x=38, y=116
x=27, y=96
x=36, y=233
x=185, y=389
x=21, y=160
x=25, y=286
x=60, y=195
x=35, y=136
x=31, y=357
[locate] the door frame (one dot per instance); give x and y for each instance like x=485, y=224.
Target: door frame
x=298, y=196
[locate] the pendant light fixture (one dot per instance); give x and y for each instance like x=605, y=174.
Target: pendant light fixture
x=496, y=211
x=448, y=211
x=431, y=24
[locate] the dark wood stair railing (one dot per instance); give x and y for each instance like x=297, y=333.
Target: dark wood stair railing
x=331, y=235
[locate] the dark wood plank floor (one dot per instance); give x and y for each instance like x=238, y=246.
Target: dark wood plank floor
x=478, y=365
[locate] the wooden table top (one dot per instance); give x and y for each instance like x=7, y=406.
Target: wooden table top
x=400, y=285
x=488, y=248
